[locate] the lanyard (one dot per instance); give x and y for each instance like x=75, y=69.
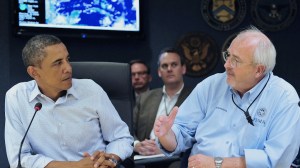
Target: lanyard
x=166, y=109
x=248, y=117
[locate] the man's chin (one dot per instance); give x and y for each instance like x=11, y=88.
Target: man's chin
x=229, y=81
x=138, y=86
x=67, y=85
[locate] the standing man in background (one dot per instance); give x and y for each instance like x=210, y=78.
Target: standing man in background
x=244, y=117
x=77, y=126
x=156, y=102
x=140, y=77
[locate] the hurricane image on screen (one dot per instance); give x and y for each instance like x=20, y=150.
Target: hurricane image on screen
x=98, y=14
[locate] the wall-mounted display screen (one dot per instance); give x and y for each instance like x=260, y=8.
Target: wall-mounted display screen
x=81, y=18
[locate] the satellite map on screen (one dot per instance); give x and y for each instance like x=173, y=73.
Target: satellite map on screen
x=111, y=14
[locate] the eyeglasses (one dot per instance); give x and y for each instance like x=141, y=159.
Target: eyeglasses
x=139, y=74
x=166, y=66
x=227, y=56
x=233, y=60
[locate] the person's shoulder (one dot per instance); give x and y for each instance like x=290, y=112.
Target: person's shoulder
x=214, y=79
x=150, y=96
x=217, y=76
x=278, y=84
x=85, y=84
x=21, y=87
x=151, y=93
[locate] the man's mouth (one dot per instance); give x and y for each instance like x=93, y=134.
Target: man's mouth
x=68, y=78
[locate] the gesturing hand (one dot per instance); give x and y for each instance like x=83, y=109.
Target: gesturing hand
x=163, y=124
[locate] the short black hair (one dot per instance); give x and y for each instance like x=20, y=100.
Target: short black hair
x=139, y=61
x=170, y=50
x=34, y=51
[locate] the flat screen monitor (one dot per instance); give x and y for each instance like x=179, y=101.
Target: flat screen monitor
x=78, y=18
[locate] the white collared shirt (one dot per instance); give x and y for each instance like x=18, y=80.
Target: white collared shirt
x=166, y=104
x=84, y=120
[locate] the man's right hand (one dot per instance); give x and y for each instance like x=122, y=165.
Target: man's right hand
x=163, y=124
x=162, y=130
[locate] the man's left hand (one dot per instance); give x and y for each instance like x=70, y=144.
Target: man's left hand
x=104, y=160
x=200, y=161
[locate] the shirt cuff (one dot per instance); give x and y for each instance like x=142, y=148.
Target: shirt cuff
x=136, y=142
x=255, y=158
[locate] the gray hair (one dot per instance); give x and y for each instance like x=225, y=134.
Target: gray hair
x=264, y=52
x=34, y=51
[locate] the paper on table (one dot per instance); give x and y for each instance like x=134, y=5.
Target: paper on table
x=137, y=157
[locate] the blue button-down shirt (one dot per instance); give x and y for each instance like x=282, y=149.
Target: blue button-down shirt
x=210, y=123
x=84, y=120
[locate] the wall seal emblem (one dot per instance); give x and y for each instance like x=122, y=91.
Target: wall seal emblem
x=200, y=53
x=223, y=15
x=273, y=15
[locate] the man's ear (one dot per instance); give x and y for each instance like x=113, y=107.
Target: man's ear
x=260, y=70
x=158, y=72
x=32, y=71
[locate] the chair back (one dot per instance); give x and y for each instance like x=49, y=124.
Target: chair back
x=115, y=79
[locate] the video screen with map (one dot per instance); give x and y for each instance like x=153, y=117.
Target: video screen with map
x=111, y=15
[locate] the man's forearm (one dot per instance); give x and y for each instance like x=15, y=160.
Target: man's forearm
x=234, y=163
x=61, y=164
x=83, y=163
x=168, y=141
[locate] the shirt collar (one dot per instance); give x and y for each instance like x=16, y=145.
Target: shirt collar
x=253, y=92
x=177, y=93
x=36, y=92
x=72, y=91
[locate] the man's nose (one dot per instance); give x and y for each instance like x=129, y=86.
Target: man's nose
x=68, y=67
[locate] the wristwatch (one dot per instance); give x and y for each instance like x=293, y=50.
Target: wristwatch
x=218, y=162
x=114, y=161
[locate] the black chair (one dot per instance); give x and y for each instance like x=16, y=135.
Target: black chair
x=115, y=79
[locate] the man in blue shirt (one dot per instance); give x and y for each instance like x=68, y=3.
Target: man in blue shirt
x=244, y=117
x=77, y=126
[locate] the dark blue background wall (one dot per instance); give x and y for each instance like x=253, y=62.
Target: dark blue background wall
x=164, y=23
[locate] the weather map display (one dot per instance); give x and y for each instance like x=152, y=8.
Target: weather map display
x=119, y=15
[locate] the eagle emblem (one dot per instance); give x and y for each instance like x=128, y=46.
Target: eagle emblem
x=200, y=53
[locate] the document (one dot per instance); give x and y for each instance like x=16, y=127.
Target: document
x=138, y=157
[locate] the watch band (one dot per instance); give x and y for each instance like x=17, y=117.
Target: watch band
x=218, y=162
